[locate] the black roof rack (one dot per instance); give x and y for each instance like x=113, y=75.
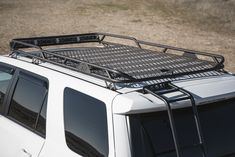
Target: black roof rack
x=118, y=63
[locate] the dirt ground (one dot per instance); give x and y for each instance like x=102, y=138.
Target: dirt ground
x=187, y=27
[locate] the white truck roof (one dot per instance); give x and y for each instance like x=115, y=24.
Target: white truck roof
x=205, y=90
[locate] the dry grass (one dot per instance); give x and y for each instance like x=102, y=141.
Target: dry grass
x=206, y=25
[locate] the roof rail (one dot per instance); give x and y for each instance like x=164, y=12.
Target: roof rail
x=118, y=63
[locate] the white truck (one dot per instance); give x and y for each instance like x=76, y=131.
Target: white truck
x=98, y=97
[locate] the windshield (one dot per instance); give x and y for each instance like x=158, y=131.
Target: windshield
x=151, y=133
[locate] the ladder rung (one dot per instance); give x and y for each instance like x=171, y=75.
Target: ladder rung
x=178, y=99
x=167, y=91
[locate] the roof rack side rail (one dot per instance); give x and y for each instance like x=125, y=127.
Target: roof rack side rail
x=120, y=37
x=217, y=58
x=108, y=71
x=53, y=40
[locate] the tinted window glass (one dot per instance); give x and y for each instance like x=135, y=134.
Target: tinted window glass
x=151, y=133
x=85, y=124
x=218, y=127
x=5, y=78
x=27, y=100
x=41, y=124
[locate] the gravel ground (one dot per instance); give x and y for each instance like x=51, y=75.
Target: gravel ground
x=144, y=20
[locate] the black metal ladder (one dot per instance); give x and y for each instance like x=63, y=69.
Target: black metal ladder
x=159, y=91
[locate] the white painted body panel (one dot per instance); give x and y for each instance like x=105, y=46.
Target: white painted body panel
x=17, y=141
x=55, y=144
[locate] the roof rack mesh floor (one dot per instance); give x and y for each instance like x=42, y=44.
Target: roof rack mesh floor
x=136, y=62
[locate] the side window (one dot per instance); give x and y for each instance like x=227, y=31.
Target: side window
x=28, y=104
x=5, y=79
x=41, y=124
x=85, y=121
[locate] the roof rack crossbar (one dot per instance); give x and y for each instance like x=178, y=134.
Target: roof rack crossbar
x=112, y=75
x=159, y=90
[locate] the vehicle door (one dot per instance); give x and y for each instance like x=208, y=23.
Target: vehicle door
x=23, y=102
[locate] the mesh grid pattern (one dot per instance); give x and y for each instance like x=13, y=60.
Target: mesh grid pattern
x=136, y=62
